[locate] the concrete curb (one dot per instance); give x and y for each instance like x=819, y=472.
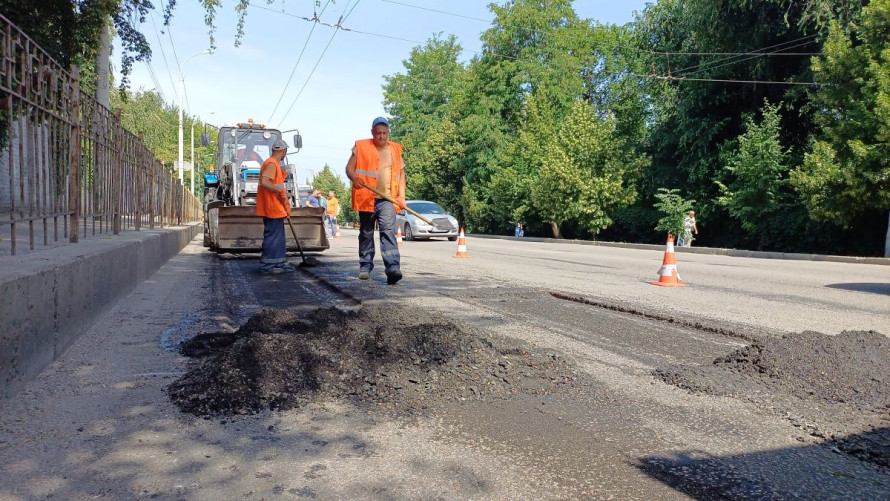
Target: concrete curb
x=51, y=298
x=705, y=250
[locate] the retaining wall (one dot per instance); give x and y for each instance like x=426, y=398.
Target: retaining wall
x=49, y=298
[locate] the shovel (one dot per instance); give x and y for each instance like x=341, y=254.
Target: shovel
x=393, y=200
x=308, y=262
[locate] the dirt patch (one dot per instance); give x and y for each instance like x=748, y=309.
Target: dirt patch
x=394, y=358
x=834, y=387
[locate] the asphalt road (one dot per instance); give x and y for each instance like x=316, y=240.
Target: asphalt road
x=97, y=424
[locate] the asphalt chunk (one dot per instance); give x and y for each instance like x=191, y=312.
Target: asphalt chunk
x=397, y=360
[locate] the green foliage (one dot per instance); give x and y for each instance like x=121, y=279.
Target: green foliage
x=707, y=42
x=673, y=209
x=146, y=113
x=585, y=172
x=847, y=168
x=70, y=30
x=756, y=165
x=418, y=103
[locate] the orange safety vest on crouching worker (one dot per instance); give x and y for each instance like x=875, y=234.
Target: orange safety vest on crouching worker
x=367, y=163
x=267, y=202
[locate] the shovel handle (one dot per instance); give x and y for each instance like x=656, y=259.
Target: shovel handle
x=391, y=199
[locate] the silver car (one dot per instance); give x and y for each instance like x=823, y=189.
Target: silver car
x=444, y=224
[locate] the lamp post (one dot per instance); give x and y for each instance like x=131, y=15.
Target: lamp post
x=193, y=154
x=207, y=51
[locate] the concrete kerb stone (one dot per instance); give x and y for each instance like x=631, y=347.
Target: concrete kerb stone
x=704, y=250
x=51, y=297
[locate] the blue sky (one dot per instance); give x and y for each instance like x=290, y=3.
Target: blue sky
x=335, y=91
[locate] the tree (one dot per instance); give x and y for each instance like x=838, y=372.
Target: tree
x=71, y=30
x=847, y=168
x=757, y=165
x=673, y=209
x=534, y=50
x=418, y=102
x=586, y=172
x=707, y=68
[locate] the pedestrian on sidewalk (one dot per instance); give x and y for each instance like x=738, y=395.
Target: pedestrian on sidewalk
x=689, y=230
x=273, y=205
x=377, y=162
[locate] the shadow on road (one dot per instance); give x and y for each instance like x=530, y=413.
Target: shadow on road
x=773, y=474
x=873, y=288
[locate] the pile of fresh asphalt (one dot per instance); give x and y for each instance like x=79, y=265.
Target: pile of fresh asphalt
x=394, y=358
x=836, y=388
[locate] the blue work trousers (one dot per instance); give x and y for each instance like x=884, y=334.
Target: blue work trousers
x=274, y=244
x=385, y=216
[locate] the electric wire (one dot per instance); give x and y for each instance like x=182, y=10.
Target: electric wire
x=320, y=57
x=755, y=53
x=436, y=10
x=163, y=54
x=296, y=64
x=154, y=79
x=378, y=35
x=688, y=79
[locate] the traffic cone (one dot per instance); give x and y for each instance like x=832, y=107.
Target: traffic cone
x=668, y=276
x=337, y=234
x=399, y=236
x=461, y=245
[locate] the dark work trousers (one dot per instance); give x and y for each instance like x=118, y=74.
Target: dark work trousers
x=274, y=245
x=385, y=216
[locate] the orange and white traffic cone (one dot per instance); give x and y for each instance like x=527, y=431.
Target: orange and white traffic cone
x=668, y=276
x=399, y=236
x=337, y=233
x=461, y=245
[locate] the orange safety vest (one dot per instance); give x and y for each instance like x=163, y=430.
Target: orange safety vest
x=267, y=202
x=367, y=163
x=333, y=206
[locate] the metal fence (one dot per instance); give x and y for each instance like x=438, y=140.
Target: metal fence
x=67, y=167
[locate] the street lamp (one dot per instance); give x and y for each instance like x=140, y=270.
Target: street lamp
x=193, y=153
x=207, y=51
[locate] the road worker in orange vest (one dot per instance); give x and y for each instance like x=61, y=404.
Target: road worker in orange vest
x=377, y=162
x=272, y=204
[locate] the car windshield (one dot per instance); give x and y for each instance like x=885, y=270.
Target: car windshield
x=426, y=208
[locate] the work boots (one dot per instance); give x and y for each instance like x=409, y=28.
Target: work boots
x=393, y=276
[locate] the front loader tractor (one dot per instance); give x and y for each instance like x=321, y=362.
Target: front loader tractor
x=230, y=220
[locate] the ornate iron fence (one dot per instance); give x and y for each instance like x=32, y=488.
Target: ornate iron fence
x=67, y=166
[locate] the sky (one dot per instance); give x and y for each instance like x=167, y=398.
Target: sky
x=289, y=73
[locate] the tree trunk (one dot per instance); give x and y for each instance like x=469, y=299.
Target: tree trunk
x=102, y=66
x=555, y=228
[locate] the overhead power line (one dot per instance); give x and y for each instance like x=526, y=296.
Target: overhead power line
x=342, y=18
x=688, y=79
x=732, y=59
x=296, y=64
x=436, y=11
x=163, y=54
x=339, y=26
x=772, y=50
